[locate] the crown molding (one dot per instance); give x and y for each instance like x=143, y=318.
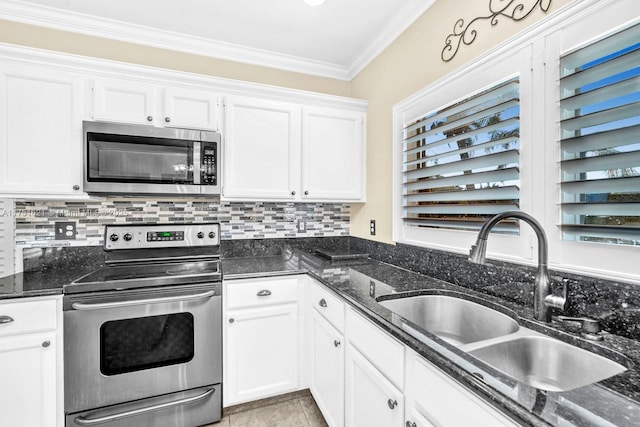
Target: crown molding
x=49, y=17
x=44, y=16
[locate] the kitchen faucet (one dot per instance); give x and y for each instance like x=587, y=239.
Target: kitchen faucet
x=544, y=300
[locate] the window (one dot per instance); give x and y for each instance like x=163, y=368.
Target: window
x=565, y=101
x=600, y=140
x=461, y=162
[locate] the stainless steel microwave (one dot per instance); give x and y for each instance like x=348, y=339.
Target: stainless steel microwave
x=136, y=160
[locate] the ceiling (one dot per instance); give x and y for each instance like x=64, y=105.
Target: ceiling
x=337, y=39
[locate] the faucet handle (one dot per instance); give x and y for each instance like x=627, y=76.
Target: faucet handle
x=559, y=302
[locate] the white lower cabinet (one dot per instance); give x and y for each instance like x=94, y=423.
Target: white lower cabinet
x=432, y=398
x=374, y=375
x=261, y=339
x=31, y=363
x=358, y=374
x=327, y=370
x=371, y=399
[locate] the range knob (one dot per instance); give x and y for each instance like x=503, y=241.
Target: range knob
x=200, y=235
x=212, y=235
x=127, y=237
x=113, y=237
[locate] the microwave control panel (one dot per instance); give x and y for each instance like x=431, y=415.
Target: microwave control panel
x=209, y=164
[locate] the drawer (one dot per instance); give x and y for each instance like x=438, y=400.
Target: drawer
x=24, y=316
x=327, y=304
x=383, y=351
x=261, y=292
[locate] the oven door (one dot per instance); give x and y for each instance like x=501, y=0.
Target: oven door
x=132, y=344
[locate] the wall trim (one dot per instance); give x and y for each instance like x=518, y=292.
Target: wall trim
x=45, y=16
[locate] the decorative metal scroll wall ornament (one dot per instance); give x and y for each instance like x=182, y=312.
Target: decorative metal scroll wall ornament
x=517, y=10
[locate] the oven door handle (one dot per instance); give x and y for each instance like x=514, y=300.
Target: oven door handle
x=91, y=421
x=103, y=305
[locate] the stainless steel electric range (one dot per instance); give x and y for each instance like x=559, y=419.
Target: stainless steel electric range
x=143, y=335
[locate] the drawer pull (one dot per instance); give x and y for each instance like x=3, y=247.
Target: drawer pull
x=392, y=403
x=264, y=293
x=336, y=343
x=46, y=344
x=322, y=303
x=232, y=320
x=5, y=319
x=410, y=424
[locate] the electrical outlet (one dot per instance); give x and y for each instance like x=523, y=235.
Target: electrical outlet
x=372, y=289
x=372, y=227
x=302, y=226
x=65, y=230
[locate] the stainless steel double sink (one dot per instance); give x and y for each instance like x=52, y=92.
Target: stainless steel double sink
x=495, y=337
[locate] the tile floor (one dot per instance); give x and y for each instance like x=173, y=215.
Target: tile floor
x=291, y=410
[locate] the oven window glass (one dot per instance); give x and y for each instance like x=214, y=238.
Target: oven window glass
x=130, y=345
x=115, y=158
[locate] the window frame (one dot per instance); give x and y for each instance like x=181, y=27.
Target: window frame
x=537, y=50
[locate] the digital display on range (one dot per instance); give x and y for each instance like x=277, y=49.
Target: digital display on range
x=153, y=236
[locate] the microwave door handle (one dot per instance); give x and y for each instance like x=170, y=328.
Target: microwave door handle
x=103, y=305
x=197, y=162
x=92, y=421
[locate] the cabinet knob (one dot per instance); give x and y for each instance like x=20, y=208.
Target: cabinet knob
x=231, y=320
x=336, y=343
x=293, y=193
x=149, y=118
x=322, y=303
x=167, y=119
x=76, y=187
x=5, y=319
x=264, y=293
x=410, y=424
x=46, y=344
x=306, y=192
x=392, y=403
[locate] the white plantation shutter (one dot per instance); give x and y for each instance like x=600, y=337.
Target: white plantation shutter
x=461, y=162
x=6, y=237
x=600, y=140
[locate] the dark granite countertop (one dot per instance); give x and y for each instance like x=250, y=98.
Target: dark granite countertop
x=615, y=401
x=47, y=270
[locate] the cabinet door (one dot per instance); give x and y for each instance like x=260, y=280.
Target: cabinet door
x=327, y=371
x=188, y=108
x=333, y=154
x=433, y=398
x=262, y=150
x=28, y=372
x=261, y=353
x=371, y=399
x=120, y=100
x=41, y=138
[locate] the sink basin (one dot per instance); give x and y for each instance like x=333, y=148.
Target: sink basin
x=455, y=320
x=547, y=363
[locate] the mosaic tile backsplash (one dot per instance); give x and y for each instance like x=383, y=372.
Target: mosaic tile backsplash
x=35, y=220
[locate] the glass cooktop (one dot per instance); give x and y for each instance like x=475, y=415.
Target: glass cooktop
x=125, y=276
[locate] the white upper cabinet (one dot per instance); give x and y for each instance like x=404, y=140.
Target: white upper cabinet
x=41, y=138
x=333, y=154
x=131, y=101
x=262, y=149
x=285, y=151
x=190, y=108
x=119, y=100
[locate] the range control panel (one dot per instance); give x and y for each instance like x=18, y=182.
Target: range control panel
x=161, y=236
